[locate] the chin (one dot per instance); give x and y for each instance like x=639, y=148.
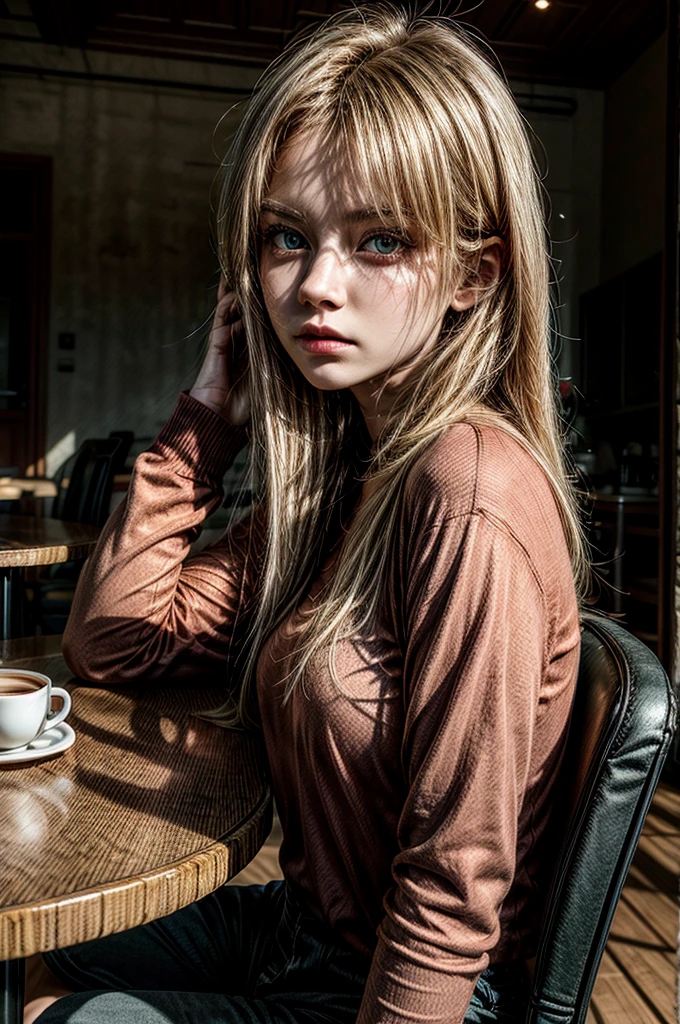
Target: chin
x=329, y=378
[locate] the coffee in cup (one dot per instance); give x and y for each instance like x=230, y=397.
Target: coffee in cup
x=26, y=707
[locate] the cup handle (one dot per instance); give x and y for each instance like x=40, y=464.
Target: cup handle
x=55, y=717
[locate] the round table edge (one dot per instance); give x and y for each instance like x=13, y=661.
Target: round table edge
x=104, y=910
x=54, y=554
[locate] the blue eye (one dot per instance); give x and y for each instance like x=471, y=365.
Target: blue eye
x=291, y=239
x=286, y=239
x=386, y=245
x=294, y=240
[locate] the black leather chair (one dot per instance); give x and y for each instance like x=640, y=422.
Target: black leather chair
x=622, y=725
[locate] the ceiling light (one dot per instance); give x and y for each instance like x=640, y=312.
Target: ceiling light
x=542, y=5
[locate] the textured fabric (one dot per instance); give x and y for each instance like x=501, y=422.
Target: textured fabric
x=242, y=955
x=414, y=813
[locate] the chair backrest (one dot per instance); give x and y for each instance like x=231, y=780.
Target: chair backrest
x=622, y=724
x=85, y=482
x=126, y=437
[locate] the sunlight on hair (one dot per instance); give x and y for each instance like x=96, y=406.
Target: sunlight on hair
x=416, y=106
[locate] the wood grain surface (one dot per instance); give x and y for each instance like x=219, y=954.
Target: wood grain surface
x=151, y=809
x=34, y=540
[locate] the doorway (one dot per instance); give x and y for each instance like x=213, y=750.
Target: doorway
x=25, y=189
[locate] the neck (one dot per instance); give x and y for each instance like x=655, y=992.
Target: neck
x=374, y=410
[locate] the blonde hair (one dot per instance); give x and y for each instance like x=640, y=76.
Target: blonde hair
x=416, y=106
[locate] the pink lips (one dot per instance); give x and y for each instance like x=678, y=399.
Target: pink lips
x=322, y=344
x=321, y=339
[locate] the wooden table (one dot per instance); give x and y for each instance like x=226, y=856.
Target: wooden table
x=33, y=540
x=150, y=809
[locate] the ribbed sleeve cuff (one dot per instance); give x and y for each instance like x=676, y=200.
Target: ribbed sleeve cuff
x=200, y=438
x=399, y=991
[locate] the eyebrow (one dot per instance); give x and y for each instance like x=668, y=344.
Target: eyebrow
x=350, y=217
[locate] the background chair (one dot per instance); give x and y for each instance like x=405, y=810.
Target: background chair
x=621, y=728
x=126, y=438
x=84, y=488
x=85, y=482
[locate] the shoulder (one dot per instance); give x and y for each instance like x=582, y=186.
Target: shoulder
x=443, y=481
x=481, y=469
x=478, y=496
x=473, y=467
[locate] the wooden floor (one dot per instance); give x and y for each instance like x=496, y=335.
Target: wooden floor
x=637, y=980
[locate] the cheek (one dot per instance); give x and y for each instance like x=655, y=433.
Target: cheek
x=267, y=284
x=278, y=288
x=403, y=306
x=391, y=289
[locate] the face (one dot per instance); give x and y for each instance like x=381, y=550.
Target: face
x=349, y=297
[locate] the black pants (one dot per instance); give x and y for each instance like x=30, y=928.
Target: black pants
x=243, y=955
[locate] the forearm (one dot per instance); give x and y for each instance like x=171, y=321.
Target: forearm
x=137, y=604
x=399, y=991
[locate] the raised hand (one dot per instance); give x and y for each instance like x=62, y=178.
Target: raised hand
x=222, y=382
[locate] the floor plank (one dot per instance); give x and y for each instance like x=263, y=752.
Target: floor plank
x=637, y=980
x=616, y=1001
x=262, y=868
x=658, y=909
x=265, y=865
x=647, y=963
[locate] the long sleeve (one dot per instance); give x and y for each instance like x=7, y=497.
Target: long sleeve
x=476, y=637
x=142, y=608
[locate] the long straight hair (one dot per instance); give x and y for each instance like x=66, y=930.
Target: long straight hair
x=415, y=106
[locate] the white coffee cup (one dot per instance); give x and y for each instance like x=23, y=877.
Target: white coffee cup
x=26, y=706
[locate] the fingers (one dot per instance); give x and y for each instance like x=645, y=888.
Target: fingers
x=227, y=311
x=238, y=353
x=225, y=300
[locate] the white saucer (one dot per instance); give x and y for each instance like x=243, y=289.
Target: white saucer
x=51, y=741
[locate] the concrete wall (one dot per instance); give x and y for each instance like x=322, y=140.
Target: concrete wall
x=133, y=273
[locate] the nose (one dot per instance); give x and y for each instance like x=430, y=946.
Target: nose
x=323, y=285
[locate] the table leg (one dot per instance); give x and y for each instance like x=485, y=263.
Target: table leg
x=12, y=992
x=12, y=603
x=6, y=604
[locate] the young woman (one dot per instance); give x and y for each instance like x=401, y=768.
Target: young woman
x=398, y=613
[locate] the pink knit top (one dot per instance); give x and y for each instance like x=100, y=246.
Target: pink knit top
x=413, y=811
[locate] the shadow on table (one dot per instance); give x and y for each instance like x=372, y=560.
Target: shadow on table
x=150, y=752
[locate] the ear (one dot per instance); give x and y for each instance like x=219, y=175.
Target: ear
x=490, y=263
